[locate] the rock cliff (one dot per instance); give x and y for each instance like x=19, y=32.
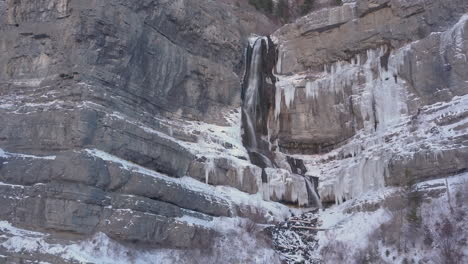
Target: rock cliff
x=174, y=132
x=366, y=85
x=371, y=95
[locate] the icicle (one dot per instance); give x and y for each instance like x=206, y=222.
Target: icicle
x=278, y=97
x=209, y=168
x=382, y=101
x=268, y=139
x=454, y=38
x=286, y=88
x=312, y=89
x=279, y=64
x=284, y=186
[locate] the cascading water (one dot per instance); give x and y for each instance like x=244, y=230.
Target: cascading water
x=252, y=99
x=312, y=193
x=251, y=93
x=255, y=112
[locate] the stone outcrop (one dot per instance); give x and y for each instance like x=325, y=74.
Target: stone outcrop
x=128, y=121
x=83, y=194
x=96, y=98
x=153, y=54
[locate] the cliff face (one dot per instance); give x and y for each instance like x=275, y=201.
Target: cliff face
x=372, y=96
x=367, y=85
x=103, y=107
x=159, y=130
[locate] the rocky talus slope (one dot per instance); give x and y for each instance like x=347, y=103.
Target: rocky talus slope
x=165, y=132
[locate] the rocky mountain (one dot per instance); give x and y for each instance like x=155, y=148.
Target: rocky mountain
x=203, y=132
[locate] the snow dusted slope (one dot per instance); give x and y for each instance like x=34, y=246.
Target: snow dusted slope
x=424, y=224
x=101, y=249
x=136, y=211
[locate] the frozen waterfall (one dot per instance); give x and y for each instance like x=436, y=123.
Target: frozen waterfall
x=251, y=96
x=278, y=182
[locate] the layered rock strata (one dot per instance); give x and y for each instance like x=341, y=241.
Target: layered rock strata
x=374, y=93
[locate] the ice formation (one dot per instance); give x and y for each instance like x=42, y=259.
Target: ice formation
x=381, y=87
x=282, y=183
x=454, y=39
x=381, y=97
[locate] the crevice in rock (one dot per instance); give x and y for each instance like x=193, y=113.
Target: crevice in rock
x=323, y=29
x=374, y=9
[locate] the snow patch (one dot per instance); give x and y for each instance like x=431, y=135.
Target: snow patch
x=273, y=211
x=35, y=82
x=243, y=247
x=4, y=154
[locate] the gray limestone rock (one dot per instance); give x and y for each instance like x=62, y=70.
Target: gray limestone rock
x=433, y=67
x=101, y=103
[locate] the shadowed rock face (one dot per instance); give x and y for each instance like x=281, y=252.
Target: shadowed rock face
x=176, y=59
x=152, y=54
x=83, y=76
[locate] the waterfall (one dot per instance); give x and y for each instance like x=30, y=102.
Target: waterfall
x=253, y=116
x=258, y=95
x=251, y=93
x=312, y=193
x=250, y=130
